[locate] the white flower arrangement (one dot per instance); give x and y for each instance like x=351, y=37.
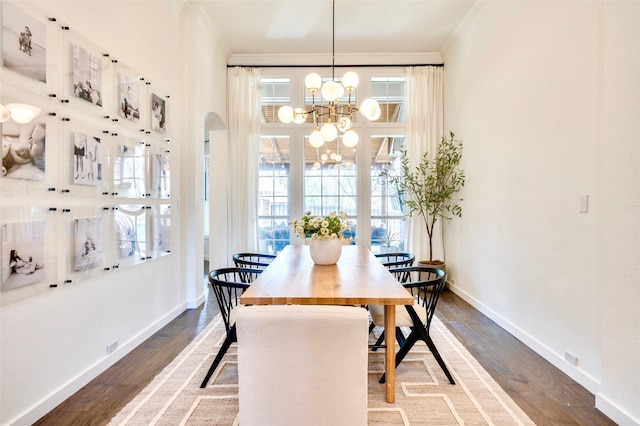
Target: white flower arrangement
x=329, y=227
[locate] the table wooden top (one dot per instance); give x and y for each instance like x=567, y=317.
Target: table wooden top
x=357, y=279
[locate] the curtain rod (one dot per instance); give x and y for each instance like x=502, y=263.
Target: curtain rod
x=336, y=66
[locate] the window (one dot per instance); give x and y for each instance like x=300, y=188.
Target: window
x=273, y=193
x=295, y=177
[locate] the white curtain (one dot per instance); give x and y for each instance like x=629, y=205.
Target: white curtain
x=425, y=128
x=243, y=94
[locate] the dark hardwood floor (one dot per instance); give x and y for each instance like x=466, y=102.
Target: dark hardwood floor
x=546, y=394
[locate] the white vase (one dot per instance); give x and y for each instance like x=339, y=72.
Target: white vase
x=325, y=252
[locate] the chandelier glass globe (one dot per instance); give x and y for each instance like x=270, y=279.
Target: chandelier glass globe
x=285, y=114
x=332, y=91
x=370, y=109
x=350, y=80
x=299, y=115
x=313, y=81
x=315, y=138
x=350, y=138
x=329, y=132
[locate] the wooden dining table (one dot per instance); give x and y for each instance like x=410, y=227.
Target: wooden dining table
x=358, y=278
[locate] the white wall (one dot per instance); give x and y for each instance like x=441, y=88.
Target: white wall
x=618, y=225
x=54, y=343
x=524, y=89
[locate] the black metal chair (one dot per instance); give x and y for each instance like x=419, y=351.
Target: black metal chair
x=391, y=261
x=425, y=284
x=228, y=284
x=253, y=260
x=396, y=260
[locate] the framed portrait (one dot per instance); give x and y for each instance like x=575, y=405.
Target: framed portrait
x=88, y=248
x=85, y=165
x=24, y=43
x=131, y=94
x=87, y=67
x=87, y=75
x=130, y=227
x=23, y=254
x=88, y=243
x=28, y=161
x=158, y=112
x=24, y=149
x=129, y=167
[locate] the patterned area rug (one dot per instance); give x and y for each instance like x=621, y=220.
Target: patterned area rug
x=423, y=393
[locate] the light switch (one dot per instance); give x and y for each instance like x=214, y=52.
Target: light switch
x=584, y=203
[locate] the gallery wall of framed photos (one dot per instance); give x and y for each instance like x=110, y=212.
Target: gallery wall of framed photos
x=85, y=185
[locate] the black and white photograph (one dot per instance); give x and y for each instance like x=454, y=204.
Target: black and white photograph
x=87, y=75
x=87, y=159
x=160, y=175
x=23, y=149
x=130, y=228
x=129, y=97
x=22, y=254
x=88, y=244
x=158, y=114
x=129, y=170
x=161, y=229
x=24, y=43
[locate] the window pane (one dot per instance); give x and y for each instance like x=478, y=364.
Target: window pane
x=273, y=193
x=330, y=179
x=276, y=92
x=390, y=94
x=387, y=218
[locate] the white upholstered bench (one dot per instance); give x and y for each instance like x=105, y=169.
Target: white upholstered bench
x=302, y=365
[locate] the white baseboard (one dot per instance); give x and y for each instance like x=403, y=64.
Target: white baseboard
x=194, y=304
x=75, y=384
x=557, y=360
x=603, y=404
x=615, y=413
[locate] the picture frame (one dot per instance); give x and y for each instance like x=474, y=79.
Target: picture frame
x=28, y=167
x=160, y=230
x=129, y=167
x=88, y=73
x=31, y=233
x=130, y=90
x=159, y=171
x=130, y=229
x=28, y=43
x=158, y=111
x=86, y=158
x=88, y=251
x=23, y=249
x=88, y=244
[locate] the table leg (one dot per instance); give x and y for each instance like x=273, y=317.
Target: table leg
x=390, y=351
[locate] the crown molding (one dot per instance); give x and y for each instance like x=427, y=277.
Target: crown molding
x=302, y=59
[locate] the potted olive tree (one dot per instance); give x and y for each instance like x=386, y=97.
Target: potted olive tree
x=429, y=189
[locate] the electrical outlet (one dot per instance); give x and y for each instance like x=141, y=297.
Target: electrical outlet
x=112, y=347
x=452, y=281
x=571, y=358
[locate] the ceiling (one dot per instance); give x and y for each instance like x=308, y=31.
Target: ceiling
x=393, y=30
x=286, y=27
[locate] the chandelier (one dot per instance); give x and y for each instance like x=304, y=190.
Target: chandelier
x=332, y=117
